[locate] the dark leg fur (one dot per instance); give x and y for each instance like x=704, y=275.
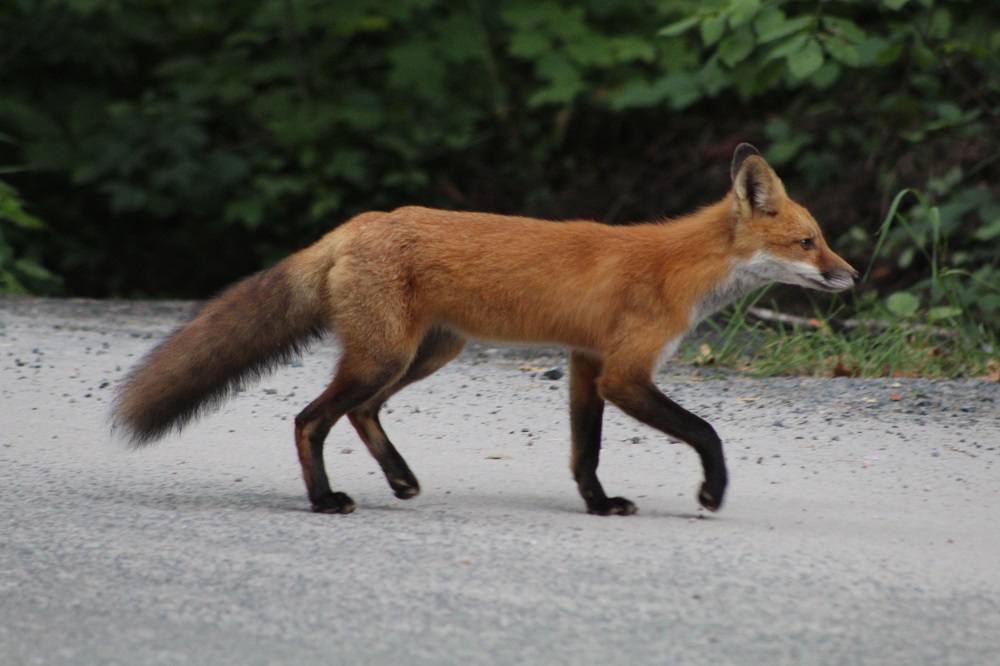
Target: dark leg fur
x=439, y=347
x=644, y=402
x=313, y=424
x=586, y=416
x=402, y=481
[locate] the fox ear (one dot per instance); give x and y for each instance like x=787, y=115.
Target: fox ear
x=754, y=181
x=743, y=151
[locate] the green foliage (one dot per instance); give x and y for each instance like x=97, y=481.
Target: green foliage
x=228, y=133
x=885, y=338
x=919, y=95
x=19, y=273
x=172, y=147
x=898, y=350
x=953, y=295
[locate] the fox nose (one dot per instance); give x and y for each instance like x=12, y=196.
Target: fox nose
x=856, y=276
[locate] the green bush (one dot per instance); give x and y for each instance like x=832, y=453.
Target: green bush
x=19, y=273
x=172, y=147
x=907, y=86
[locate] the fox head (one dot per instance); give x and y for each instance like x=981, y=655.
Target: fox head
x=776, y=239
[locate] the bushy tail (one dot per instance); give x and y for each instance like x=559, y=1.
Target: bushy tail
x=234, y=339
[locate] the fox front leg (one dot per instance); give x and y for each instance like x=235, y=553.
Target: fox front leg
x=586, y=417
x=637, y=396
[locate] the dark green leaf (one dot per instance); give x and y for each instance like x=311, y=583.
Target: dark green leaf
x=712, y=29
x=806, y=61
x=903, y=304
x=680, y=27
x=736, y=46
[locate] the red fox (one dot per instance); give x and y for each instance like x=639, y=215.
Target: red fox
x=403, y=290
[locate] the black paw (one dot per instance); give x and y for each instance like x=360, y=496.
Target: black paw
x=611, y=506
x=711, y=497
x=334, y=503
x=405, y=488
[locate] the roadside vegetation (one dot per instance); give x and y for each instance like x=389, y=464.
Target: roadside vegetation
x=861, y=335
x=881, y=344
x=166, y=149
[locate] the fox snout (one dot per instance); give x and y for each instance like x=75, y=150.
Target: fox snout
x=839, y=279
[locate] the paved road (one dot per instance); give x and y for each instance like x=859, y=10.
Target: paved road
x=862, y=524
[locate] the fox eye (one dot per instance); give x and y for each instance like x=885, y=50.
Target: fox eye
x=808, y=244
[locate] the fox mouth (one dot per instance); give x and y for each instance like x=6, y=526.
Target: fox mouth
x=822, y=284
x=830, y=284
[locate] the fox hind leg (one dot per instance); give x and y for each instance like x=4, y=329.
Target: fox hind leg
x=351, y=387
x=437, y=348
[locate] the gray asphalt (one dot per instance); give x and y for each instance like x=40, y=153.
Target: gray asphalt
x=861, y=526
